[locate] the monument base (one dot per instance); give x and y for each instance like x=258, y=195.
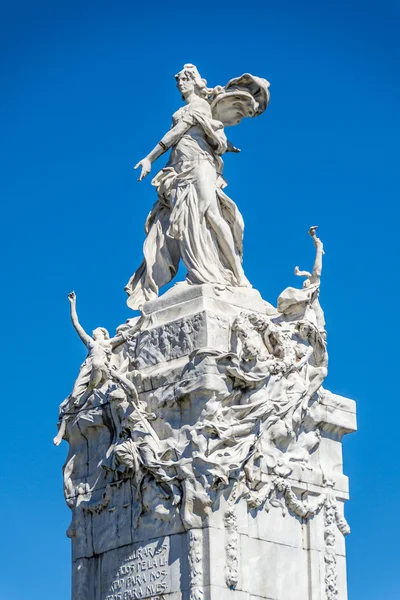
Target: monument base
x=238, y=554
x=242, y=504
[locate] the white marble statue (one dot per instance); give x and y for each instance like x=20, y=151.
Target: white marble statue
x=94, y=371
x=209, y=405
x=304, y=303
x=193, y=219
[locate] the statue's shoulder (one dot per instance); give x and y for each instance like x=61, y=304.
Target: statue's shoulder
x=202, y=106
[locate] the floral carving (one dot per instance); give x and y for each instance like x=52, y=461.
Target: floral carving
x=231, y=549
x=195, y=542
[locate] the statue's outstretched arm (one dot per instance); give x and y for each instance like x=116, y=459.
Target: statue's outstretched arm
x=124, y=336
x=86, y=339
x=171, y=138
x=317, y=269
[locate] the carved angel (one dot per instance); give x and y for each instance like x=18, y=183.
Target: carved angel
x=193, y=219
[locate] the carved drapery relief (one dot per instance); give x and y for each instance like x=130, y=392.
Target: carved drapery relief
x=254, y=421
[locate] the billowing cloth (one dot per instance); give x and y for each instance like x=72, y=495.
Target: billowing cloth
x=177, y=226
x=293, y=298
x=302, y=304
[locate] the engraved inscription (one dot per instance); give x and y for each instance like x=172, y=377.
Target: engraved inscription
x=143, y=574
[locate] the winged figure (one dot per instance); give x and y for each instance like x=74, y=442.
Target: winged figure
x=193, y=220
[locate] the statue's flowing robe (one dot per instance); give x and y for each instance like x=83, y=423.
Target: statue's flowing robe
x=177, y=226
x=303, y=304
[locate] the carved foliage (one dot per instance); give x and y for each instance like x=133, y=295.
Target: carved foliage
x=195, y=543
x=231, y=549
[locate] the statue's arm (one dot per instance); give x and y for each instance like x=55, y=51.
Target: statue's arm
x=305, y=359
x=117, y=340
x=319, y=247
x=86, y=339
x=171, y=138
x=301, y=273
x=126, y=382
x=267, y=343
x=125, y=336
x=317, y=269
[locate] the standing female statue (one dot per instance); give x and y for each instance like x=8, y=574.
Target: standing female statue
x=193, y=219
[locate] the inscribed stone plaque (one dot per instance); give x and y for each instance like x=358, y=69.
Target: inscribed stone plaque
x=143, y=572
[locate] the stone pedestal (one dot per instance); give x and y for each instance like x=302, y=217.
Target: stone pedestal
x=236, y=492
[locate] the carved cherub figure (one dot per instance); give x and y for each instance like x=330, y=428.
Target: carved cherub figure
x=94, y=371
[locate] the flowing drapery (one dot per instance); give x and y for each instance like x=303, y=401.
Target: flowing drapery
x=177, y=226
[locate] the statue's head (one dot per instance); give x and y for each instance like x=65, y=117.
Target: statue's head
x=100, y=333
x=304, y=329
x=259, y=322
x=189, y=80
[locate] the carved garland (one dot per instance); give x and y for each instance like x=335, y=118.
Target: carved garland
x=331, y=589
x=307, y=510
x=301, y=508
x=195, y=542
x=231, y=549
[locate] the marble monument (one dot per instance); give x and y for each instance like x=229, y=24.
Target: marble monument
x=205, y=455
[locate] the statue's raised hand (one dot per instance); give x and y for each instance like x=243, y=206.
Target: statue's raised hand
x=145, y=163
x=72, y=297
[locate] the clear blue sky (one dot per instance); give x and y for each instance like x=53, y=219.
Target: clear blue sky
x=87, y=91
